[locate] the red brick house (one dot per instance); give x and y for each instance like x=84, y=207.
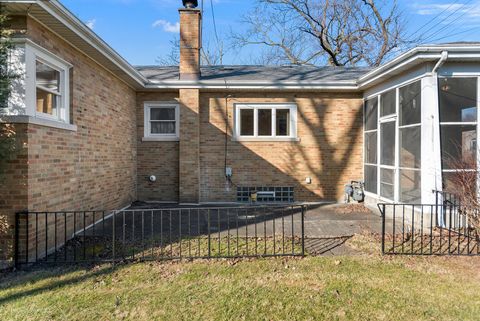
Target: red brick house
x=94, y=132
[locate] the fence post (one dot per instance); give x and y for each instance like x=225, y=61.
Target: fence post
x=208, y=233
x=383, y=228
x=303, y=229
x=17, y=239
x=113, y=237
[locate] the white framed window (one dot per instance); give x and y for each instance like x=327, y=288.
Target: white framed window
x=49, y=85
x=257, y=122
x=161, y=121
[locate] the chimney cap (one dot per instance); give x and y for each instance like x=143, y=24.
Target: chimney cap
x=190, y=4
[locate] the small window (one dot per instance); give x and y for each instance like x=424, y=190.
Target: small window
x=265, y=122
x=161, y=121
x=51, y=86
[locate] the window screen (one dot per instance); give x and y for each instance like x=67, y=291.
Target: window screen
x=410, y=100
x=458, y=99
x=371, y=179
x=458, y=146
x=387, y=101
x=371, y=114
x=387, y=183
x=410, y=188
x=410, y=147
x=371, y=147
x=387, y=143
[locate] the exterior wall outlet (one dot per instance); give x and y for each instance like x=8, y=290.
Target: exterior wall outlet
x=308, y=180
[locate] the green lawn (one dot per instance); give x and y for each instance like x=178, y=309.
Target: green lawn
x=363, y=287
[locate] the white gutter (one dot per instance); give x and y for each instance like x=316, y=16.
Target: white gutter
x=418, y=53
x=251, y=85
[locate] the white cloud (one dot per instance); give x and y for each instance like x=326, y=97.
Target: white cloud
x=167, y=26
x=456, y=9
x=91, y=23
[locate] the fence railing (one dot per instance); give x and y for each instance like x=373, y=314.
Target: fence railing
x=419, y=229
x=447, y=198
x=159, y=234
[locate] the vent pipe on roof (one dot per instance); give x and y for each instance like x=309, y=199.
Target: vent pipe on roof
x=190, y=4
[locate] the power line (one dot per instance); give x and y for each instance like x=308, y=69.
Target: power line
x=434, y=18
x=455, y=34
x=214, y=23
x=448, y=24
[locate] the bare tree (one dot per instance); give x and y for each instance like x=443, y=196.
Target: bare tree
x=335, y=32
x=463, y=182
x=210, y=55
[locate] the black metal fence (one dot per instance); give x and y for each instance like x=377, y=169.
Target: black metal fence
x=418, y=229
x=447, y=198
x=159, y=234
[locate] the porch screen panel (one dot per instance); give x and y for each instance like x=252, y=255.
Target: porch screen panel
x=370, y=145
x=387, y=143
x=458, y=127
x=388, y=103
x=387, y=180
x=410, y=137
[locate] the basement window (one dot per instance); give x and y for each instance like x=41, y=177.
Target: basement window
x=161, y=121
x=257, y=122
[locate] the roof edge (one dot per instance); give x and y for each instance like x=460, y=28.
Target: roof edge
x=417, y=54
x=60, y=12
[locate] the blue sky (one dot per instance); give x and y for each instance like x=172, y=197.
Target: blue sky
x=141, y=30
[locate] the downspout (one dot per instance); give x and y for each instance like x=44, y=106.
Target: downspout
x=441, y=61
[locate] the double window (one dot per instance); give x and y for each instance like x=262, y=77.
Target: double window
x=265, y=121
x=161, y=121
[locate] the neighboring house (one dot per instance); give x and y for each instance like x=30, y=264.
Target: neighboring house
x=92, y=129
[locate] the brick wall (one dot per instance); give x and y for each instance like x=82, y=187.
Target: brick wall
x=94, y=167
x=329, y=151
x=156, y=158
x=13, y=186
x=91, y=168
x=189, y=148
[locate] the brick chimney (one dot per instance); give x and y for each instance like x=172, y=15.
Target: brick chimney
x=190, y=42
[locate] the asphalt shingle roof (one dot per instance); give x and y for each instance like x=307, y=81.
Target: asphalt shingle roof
x=300, y=74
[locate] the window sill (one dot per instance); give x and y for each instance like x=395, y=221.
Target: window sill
x=160, y=139
x=25, y=119
x=266, y=139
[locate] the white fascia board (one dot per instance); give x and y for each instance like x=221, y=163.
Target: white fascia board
x=417, y=55
x=57, y=10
